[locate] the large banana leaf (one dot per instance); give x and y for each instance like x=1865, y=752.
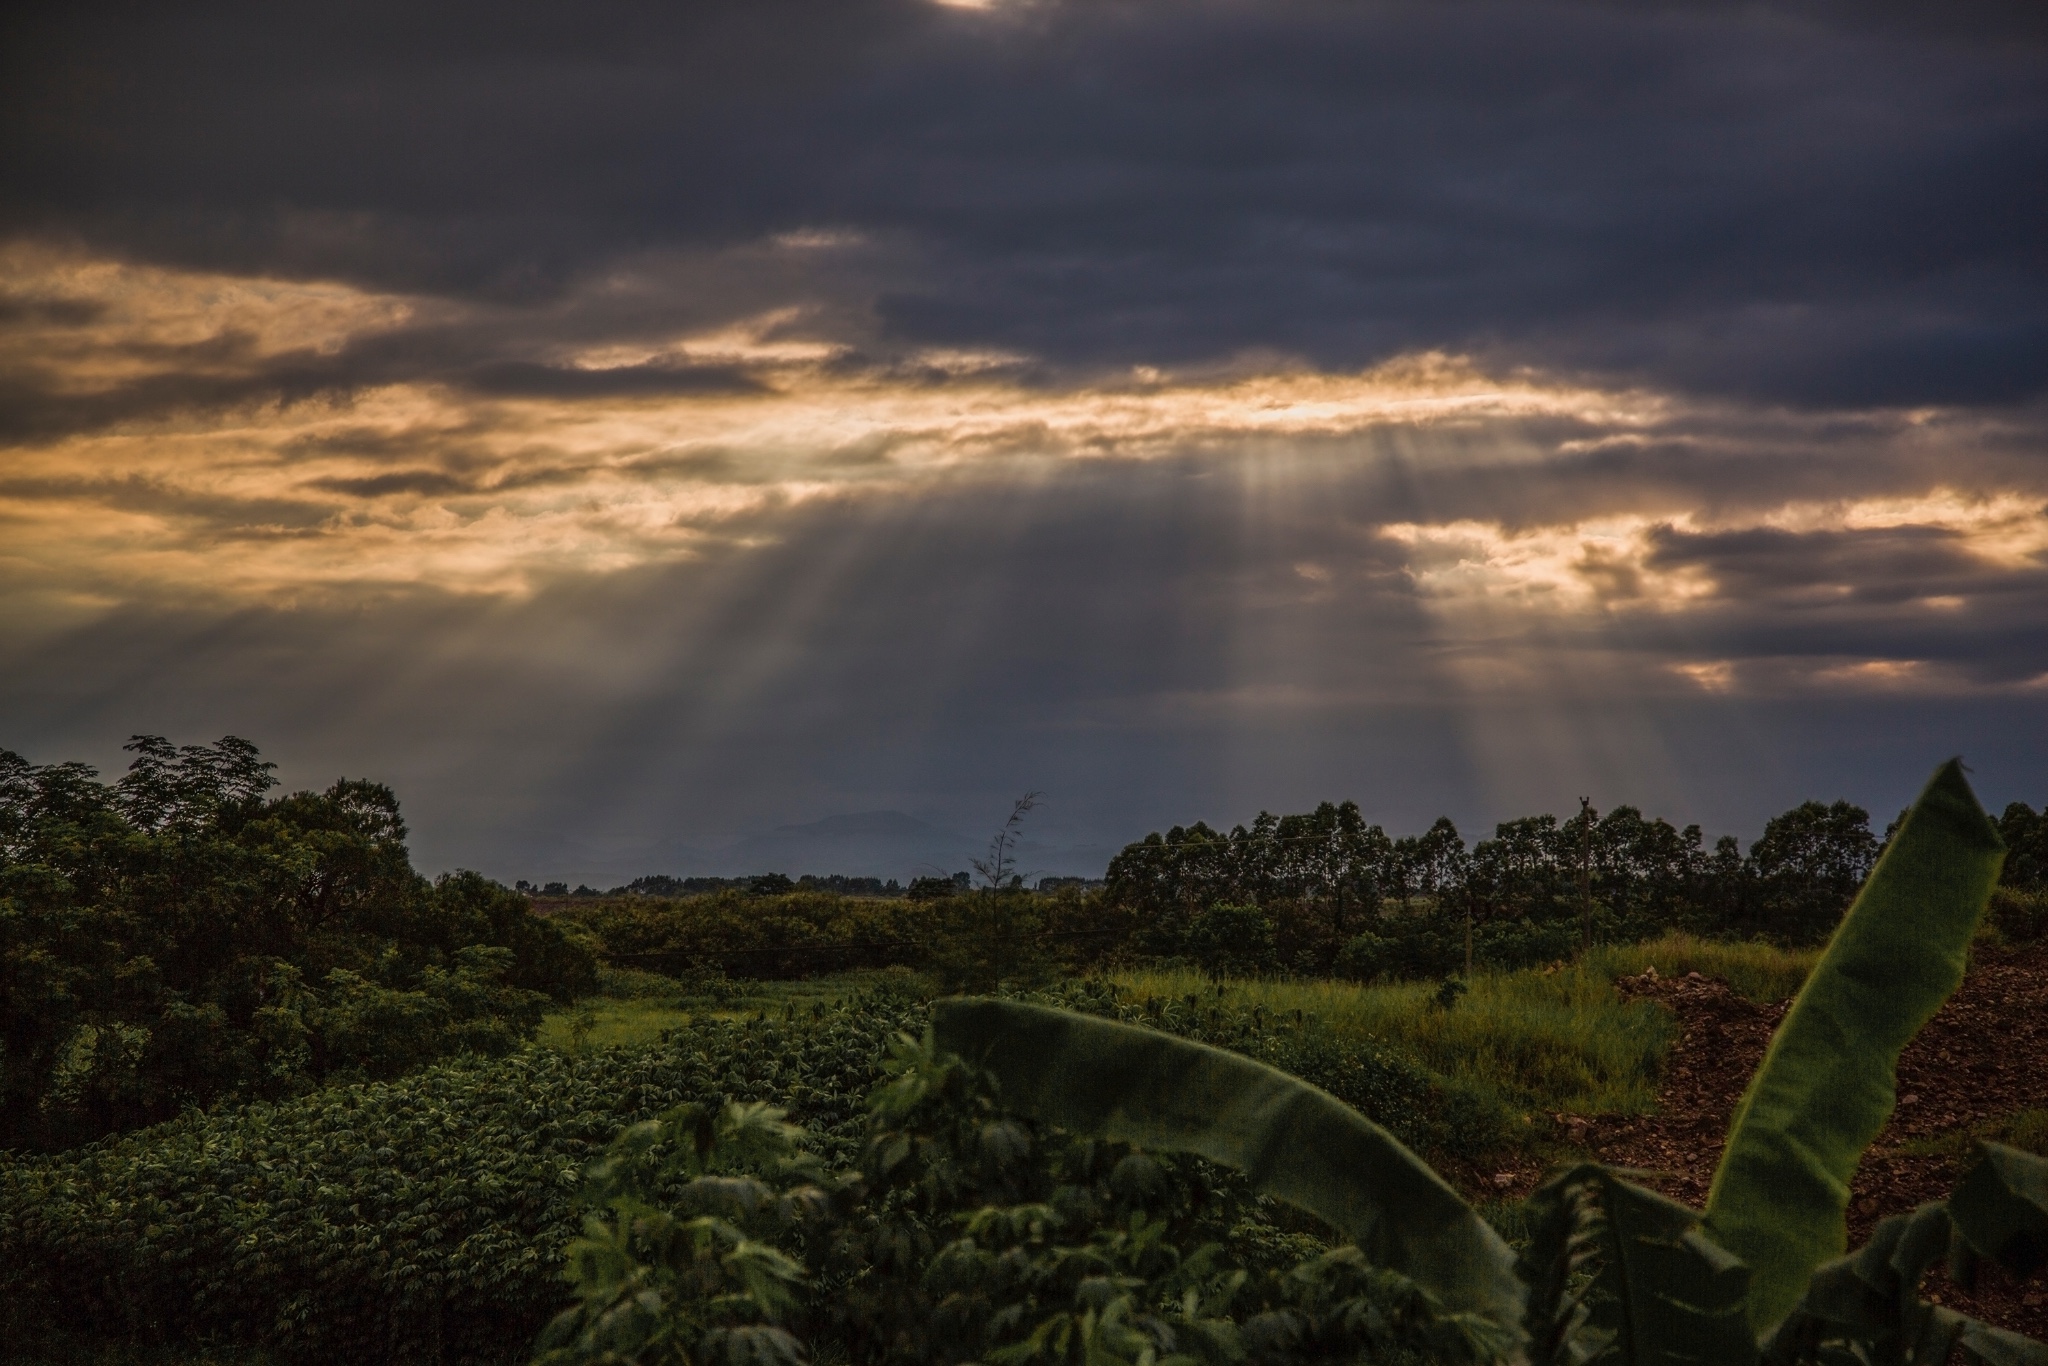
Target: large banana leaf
x=2001, y=1209
x=1294, y=1141
x=1828, y=1083
x=1622, y=1275
x=1866, y=1308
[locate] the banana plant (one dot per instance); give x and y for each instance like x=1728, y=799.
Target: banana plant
x=1614, y=1273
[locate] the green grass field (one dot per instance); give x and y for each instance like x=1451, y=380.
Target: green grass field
x=1551, y=1040
x=635, y=1007
x=1543, y=1040
x=1556, y=1039
x=1760, y=971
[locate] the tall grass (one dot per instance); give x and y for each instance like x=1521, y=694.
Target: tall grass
x=1558, y=1038
x=1552, y=1039
x=1760, y=971
x=634, y=1007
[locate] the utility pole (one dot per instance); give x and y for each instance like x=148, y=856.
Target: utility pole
x=1585, y=876
x=1468, y=934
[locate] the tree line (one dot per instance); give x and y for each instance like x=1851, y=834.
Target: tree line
x=1327, y=891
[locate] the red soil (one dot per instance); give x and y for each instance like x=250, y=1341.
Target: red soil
x=1984, y=1057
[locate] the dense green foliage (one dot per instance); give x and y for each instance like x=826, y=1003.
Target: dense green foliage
x=963, y=1234
x=1620, y=1274
x=977, y=940
x=176, y=937
x=429, y=1213
x=822, y=1182
x=2025, y=832
x=1342, y=895
x=1292, y=1140
x=969, y=1232
x=396, y=1220
x=1318, y=894
x=1611, y=1271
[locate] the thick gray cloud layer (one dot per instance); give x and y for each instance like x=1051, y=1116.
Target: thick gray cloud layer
x=1802, y=243
x=1140, y=641
x=1747, y=199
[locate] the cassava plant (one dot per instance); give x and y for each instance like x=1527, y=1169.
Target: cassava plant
x=1615, y=1273
x=675, y=1264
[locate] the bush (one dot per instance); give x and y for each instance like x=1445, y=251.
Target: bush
x=2020, y=917
x=799, y=934
x=1233, y=941
x=1398, y=1092
x=991, y=940
x=175, y=938
x=975, y=940
x=964, y=1235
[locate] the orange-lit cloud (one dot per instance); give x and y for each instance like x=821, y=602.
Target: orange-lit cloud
x=250, y=490
x=195, y=436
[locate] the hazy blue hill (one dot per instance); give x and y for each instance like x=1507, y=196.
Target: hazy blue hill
x=881, y=844
x=884, y=844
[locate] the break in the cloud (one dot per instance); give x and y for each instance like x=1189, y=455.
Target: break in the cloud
x=630, y=428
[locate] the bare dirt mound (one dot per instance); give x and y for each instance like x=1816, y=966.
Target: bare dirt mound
x=1983, y=1058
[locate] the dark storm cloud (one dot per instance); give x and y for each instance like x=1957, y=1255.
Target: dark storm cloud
x=1886, y=593
x=1816, y=204
x=1140, y=641
x=17, y=310
x=1885, y=566
x=1793, y=225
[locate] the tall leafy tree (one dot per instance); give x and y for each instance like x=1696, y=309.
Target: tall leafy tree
x=177, y=936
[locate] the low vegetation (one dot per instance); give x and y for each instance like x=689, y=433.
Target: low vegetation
x=1557, y=1040
x=743, y=1159
x=1076, y=1265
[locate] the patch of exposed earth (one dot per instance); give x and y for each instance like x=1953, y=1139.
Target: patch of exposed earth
x=1983, y=1058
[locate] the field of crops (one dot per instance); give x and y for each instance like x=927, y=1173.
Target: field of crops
x=424, y=1218
x=786, y=1173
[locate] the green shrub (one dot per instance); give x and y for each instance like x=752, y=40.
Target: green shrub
x=2020, y=917
x=990, y=940
x=799, y=934
x=1233, y=941
x=1427, y=1111
x=174, y=938
x=962, y=1235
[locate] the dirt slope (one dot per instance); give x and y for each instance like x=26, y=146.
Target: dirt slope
x=1984, y=1057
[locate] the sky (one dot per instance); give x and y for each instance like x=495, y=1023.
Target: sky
x=630, y=428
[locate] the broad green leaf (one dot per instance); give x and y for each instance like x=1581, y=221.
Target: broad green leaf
x=1623, y=1275
x=1866, y=1307
x=1294, y=1141
x=1827, y=1084
x=1870, y=1301
x=2000, y=1346
x=2001, y=1208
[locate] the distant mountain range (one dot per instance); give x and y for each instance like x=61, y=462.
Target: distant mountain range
x=884, y=844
